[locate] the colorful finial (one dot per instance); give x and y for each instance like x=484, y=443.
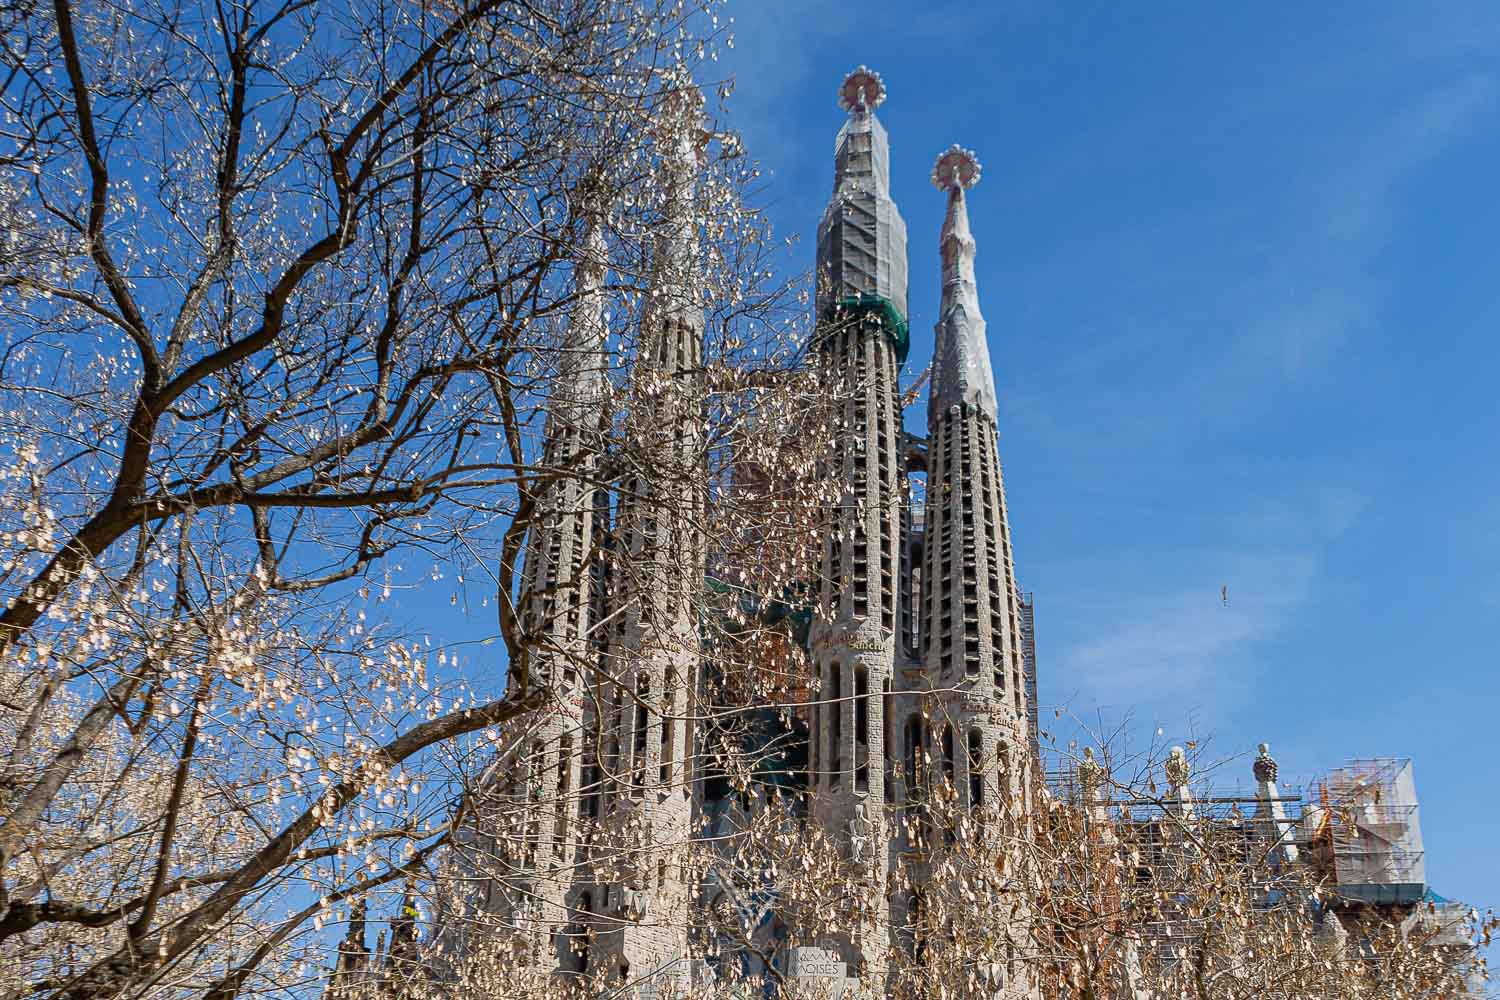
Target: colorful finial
x=956, y=169
x=1265, y=764
x=862, y=90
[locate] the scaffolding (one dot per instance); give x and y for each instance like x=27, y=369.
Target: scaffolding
x=1363, y=820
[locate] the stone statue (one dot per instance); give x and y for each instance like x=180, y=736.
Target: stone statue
x=861, y=836
x=1090, y=773
x=635, y=903
x=1178, y=768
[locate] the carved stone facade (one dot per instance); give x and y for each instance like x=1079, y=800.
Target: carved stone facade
x=915, y=636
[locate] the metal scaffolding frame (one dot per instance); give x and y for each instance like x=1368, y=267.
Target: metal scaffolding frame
x=1365, y=818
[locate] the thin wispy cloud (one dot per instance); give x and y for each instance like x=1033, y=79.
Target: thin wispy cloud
x=1321, y=291
x=1169, y=647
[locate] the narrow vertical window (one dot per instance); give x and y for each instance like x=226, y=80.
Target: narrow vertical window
x=917, y=917
x=862, y=729
x=668, y=727
x=814, y=739
x=564, y=791
x=642, y=725
x=948, y=762
x=862, y=707
x=581, y=946
x=888, y=748
x=949, y=779
x=668, y=749
x=836, y=709
x=591, y=783
x=914, y=753
x=976, y=770
x=534, y=819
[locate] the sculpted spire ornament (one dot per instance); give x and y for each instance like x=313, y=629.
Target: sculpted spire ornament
x=956, y=169
x=1265, y=764
x=861, y=91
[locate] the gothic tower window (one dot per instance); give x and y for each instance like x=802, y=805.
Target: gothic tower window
x=914, y=753
x=948, y=759
x=836, y=718
x=564, y=791
x=976, y=770
x=668, y=727
x=642, y=727
x=862, y=729
x=887, y=715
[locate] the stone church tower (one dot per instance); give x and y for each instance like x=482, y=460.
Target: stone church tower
x=862, y=340
x=916, y=634
x=635, y=897
x=973, y=714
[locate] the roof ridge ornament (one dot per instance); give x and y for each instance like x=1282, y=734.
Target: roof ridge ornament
x=1178, y=768
x=956, y=169
x=862, y=90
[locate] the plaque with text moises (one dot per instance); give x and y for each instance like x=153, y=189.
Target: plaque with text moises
x=817, y=972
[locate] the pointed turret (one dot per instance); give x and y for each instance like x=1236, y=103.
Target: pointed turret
x=862, y=619
x=1093, y=778
x=1270, y=812
x=352, y=968
x=575, y=403
x=404, y=925
x=972, y=723
x=536, y=806
x=354, y=941
x=970, y=625
x=674, y=308
x=961, y=355
x=555, y=576
x=658, y=566
x=862, y=238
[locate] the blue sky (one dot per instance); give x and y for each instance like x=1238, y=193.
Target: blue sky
x=1239, y=272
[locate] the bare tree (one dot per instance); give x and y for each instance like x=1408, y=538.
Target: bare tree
x=293, y=295
x=286, y=288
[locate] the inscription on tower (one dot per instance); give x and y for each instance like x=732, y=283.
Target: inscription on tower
x=819, y=971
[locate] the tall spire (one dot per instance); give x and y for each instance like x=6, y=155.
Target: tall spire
x=961, y=372
x=674, y=281
x=862, y=238
x=584, y=363
x=643, y=694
